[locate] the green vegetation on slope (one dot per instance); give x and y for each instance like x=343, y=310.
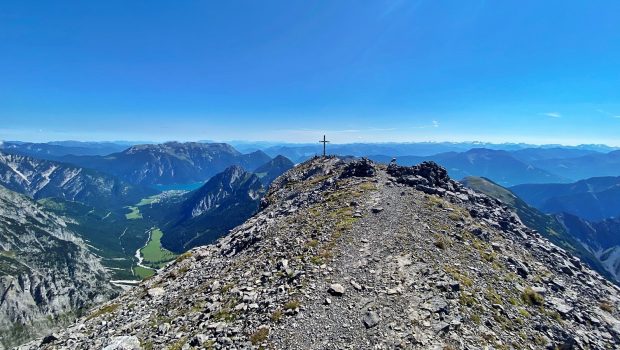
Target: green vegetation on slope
x=108, y=232
x=153, y=253
x=143, y=273
x=147, y=201
x=134, y=214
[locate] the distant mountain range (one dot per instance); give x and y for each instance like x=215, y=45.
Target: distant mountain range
x=583, y=167
x=47, y=274
x=55, y=150
x=592, y=199
x=301, y=152
x=43, y=179
x=500, y=166
x=170, y=163
x=184, y=163
x=526, y=166
x=529, y=155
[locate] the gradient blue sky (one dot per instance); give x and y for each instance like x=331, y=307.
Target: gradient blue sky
x=499, y=71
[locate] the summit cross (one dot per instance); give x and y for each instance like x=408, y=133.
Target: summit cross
x=324, y=142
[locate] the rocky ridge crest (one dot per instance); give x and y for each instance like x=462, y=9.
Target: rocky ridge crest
x=355, y=255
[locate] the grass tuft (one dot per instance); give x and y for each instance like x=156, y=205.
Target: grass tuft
x=606, y=306
x=106, y=309
x=184, y=256
x=259, y=336
x=292, y=305
x=276, y=316
x=530, y=297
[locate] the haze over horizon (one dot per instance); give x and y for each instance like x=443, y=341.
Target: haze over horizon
x=301, y=143
x=386, y=71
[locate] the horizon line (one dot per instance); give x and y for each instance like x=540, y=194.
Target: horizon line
x=147, y=142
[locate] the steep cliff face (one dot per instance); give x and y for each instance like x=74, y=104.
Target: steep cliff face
x=233, y=185
x=201, y=216
x=47, y=276
x=601, y=238
x=357, y=256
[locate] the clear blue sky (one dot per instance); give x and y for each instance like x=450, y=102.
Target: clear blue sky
x=501, y=71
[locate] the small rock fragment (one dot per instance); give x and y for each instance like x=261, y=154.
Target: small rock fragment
x=123, y=343
x=156, y=292
x=371, y=319
x=336, y=289
x=356, y=285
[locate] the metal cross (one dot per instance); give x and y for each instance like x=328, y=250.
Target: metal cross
x=324, y=142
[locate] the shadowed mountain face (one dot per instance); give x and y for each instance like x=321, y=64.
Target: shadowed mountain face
x=602, y=238
x=592, y=199
x=172, y=162
x=272, y=169
x=42, y=179
x=201, y=216
x=425, y=262
x=47, y=276
x=499, y=166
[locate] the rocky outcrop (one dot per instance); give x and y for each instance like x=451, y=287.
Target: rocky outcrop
x=47, y=276
x=360, y=168
x=404, y=258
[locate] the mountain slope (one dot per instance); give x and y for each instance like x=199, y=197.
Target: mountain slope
x=273, y=168
x=47, y=276
x=171, y=162
x=203, y=215
x=601, y=238
x=41, y=179
x=547, y=225
x=107, y=232
x=592, y=199
x=359, y=256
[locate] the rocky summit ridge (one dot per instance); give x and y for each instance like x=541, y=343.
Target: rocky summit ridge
x=353, y=255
